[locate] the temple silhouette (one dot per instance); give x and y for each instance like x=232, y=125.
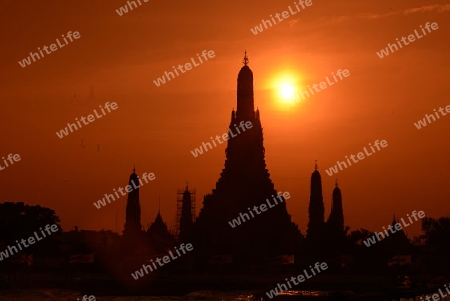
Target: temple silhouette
x=244, y=183
x=261, y=246
x=320, y=233
x=268, y=244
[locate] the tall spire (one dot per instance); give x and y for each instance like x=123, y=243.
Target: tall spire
x=133, y=210
x=245, y=61
x=134, y=167
x=245, y=95
x=185, y=214
x=336, y=217
x=244, y=182
x=337, y=183
x=316, y=207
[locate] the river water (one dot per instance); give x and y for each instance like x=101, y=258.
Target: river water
x=64, y=295
x=55, y=295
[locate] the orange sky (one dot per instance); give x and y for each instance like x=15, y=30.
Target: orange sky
x=117, y=58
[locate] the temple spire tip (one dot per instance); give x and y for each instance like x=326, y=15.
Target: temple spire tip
x=245, y=61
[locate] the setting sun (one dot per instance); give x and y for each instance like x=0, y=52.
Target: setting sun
x=285, y=88
x=286, y=91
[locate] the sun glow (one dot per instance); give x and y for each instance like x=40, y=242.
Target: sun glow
x=285, y=90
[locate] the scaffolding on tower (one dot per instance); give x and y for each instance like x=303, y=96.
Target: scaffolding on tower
x=186, y=214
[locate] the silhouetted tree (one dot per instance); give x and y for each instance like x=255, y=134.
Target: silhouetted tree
x=437, y=234
x=358, y=236
x=436, y=248
x=19, y=221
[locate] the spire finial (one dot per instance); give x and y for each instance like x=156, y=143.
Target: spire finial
x=134, y=167
x=337, y=183
x=315, y=165
x=159, y=204
x=245, y=58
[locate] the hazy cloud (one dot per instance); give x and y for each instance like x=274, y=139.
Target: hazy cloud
x=428, y=8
